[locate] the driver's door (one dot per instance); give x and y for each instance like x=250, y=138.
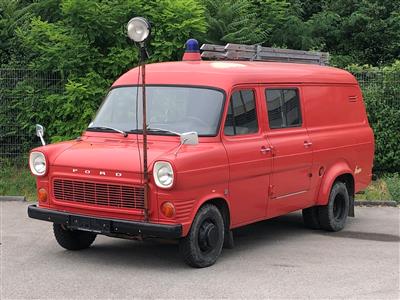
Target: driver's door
x=250, y=162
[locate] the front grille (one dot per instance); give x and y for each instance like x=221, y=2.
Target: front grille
x=99, y=194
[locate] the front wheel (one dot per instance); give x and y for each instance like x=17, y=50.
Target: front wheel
x=73, y=239
x=333, y=216
x=203, y=244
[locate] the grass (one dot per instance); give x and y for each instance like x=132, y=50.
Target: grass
x=393, y=184
x=386, y=188
x=377, y=190
x=18, y=181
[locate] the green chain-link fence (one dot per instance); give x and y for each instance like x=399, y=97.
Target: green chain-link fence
x=20, y=88
x=386, y=85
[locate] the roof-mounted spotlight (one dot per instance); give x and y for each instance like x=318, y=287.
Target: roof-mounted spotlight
x=139, y=29
x=139, y=32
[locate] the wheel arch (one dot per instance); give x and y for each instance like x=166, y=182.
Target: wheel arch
x=223, y=207
x=348, y=179
x=220, y=202
x=341, y=171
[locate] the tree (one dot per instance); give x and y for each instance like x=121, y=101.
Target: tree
x=83, y=45
x=88, y=47
x=12, y=15
x=271, y=15
x=233, y=21
x=359, y=31
x=16, y=14
x=292, y=29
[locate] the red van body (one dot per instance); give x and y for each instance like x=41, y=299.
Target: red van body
x=256, y=175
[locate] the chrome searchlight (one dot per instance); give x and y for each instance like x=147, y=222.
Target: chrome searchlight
x=138, y=29
x=139, y=32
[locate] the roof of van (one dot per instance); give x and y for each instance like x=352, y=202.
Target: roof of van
x=224, y=74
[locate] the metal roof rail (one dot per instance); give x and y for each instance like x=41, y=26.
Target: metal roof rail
x=259, y=53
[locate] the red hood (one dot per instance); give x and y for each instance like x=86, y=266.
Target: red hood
x=112, y=155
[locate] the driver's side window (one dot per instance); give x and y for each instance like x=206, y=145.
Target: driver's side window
x=242, y=114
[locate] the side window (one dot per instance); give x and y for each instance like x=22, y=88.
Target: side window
x=242, y=114
x=283, y=108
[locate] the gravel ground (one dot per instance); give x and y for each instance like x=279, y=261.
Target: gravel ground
x=278, y=258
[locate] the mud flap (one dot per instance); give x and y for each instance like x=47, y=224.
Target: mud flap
x=228, y=240
x=351, y=208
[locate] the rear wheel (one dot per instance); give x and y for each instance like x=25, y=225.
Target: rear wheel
x=203, y=244
x=73, y=239
x=333, y=216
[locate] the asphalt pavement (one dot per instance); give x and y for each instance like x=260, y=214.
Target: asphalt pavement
x=277, y=258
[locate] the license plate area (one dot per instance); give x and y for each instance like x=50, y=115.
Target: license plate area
x=89, y=224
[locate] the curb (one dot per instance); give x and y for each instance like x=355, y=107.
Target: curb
x=375, y=203
x=13, y=198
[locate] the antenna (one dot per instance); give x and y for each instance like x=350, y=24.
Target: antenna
x=144, y=126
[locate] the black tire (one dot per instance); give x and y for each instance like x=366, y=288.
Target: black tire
x=203, y=244
x=310, y=217
x=333, y=216
x=73, y=239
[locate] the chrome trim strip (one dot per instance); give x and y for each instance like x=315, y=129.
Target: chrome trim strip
x=291, y=194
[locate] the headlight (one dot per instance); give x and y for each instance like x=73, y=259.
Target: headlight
x=37, y=163
x=163, y=174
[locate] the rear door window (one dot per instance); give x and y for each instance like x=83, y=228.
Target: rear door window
x=242, y=114
x=283, y=108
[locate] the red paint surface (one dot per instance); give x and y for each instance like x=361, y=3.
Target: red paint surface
x=254, y=185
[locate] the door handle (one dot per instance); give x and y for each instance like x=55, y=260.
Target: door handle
x=265, y=150
x=307, y=144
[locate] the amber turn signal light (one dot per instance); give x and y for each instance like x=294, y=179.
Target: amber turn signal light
x=42, y=195
x=168, y=209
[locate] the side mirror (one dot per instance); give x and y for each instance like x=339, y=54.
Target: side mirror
x=189, y=138
x=40, y=133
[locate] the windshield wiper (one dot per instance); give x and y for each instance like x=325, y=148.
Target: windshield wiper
x=163, y=130
x=110, y=128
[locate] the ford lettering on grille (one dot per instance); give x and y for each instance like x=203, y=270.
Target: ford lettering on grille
x=101, y=173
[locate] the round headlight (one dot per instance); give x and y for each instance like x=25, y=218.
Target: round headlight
x=138, y=29
x=37, y=163
x=163, y=174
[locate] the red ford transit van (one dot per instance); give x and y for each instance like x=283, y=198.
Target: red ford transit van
x=229, y=143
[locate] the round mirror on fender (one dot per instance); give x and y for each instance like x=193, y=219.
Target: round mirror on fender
x=39, y=130
x=40, y=133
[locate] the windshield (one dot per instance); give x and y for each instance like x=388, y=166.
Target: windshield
x=173, y=108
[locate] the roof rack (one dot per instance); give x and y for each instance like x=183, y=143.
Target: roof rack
x=259, y=53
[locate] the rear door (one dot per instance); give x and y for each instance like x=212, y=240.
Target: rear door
x=292, y=150
x=250, y=162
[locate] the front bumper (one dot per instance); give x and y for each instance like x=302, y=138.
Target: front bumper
x=105, y=226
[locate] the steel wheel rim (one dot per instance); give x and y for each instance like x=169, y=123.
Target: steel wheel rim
x=208, y=236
